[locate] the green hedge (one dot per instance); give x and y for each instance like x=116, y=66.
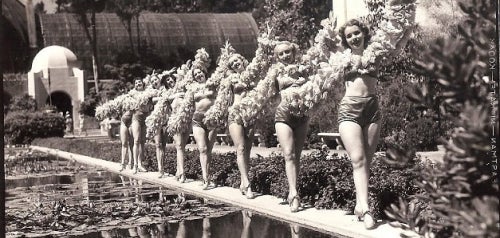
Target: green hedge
x=22, y=127
x=325, y=180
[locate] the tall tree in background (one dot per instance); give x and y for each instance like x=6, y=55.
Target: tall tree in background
x=82, y=8
x=127, y=10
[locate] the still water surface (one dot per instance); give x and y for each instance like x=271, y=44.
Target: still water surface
x=55, y=197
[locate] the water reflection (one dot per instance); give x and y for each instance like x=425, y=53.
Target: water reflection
x=250, y=226
x=126, y=207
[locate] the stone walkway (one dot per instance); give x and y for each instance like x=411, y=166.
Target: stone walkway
x=330, y=221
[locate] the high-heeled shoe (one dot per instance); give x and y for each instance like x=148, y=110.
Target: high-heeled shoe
x=141, y=168
x=366, y=217
x=205, y=184
x=122, y=167
x=294, y=203
x=161, y=174
x=180, y=177
x=247, y=191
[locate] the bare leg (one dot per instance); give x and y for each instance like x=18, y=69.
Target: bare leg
x=204, y=141
x=160, y=150
x=124, y=138
x=291, y=142
x=137, y=133
x=242, y=138
x=360, y=145
x=180, y=141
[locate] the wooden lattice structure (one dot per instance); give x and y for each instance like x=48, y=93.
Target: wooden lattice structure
x=170, y=34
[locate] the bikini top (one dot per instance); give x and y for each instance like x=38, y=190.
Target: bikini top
x=352, y=74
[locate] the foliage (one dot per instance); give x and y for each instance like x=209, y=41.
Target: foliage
x=23, y=127
x=82, y=8
x=128, y=65
x=22, y=103
x=459, y=197
x=325, y=180
x=292, y=20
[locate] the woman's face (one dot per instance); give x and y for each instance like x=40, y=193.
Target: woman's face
x=155, y=81
x=170, y=80
x=236, y=64
x=355, y=37
x=199, y=75
x=285, y=53
x=139, y=85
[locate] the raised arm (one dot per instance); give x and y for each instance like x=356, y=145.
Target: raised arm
x=253, y=104
x=392, y=34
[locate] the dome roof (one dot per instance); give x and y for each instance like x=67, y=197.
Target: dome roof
x=54, y=57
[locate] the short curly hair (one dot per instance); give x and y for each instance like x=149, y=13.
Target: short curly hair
x=236, y=56
x=355, y=22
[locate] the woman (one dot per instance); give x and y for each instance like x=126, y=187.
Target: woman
x=359, y=119
x=242, y=136
x=291, y=129
x=359, y=115
x=203, y=97
x=163, y=82
x=126, y=138
x=138, y=129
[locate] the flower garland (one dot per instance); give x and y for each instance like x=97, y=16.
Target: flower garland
x=158, y=118
x=180, y=117
x=115, y=107
x=217, y=115
x=385, y=41
x=247, y=110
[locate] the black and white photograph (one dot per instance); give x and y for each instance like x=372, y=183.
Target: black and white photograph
x=250, y=118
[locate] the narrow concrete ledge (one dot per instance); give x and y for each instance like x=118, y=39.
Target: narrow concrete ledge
x=331, y=221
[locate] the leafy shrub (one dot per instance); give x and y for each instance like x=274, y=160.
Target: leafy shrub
x=325, y=180
x=22, y=103
x=459, y=197
x=23, y=127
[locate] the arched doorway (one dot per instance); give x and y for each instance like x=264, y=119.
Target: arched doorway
x=61, y=100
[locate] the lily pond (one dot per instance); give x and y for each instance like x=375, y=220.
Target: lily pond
x=48, y=196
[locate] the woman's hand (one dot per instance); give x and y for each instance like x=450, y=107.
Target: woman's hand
x=299, y=81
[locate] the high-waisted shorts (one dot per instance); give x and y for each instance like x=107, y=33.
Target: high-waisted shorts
x=127, y=118
x=284, y=116
x=198, y=120
x=361, y=110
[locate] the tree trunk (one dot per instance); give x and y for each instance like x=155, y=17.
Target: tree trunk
x=95, y=61
x=138, y=33
x=129, y=31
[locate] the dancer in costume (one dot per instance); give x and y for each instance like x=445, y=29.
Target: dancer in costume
x=121, y=106
x=359, y=115
x=203, y=98
x=143, y=106
x=291, y=129
x=156, y=122
x=179, y=122
x=241, y=78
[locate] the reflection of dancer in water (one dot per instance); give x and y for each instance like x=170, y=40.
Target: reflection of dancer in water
x=294, y=230
x=207, y=233
x=181, y=231
x=241, y=78
x=246, y=232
